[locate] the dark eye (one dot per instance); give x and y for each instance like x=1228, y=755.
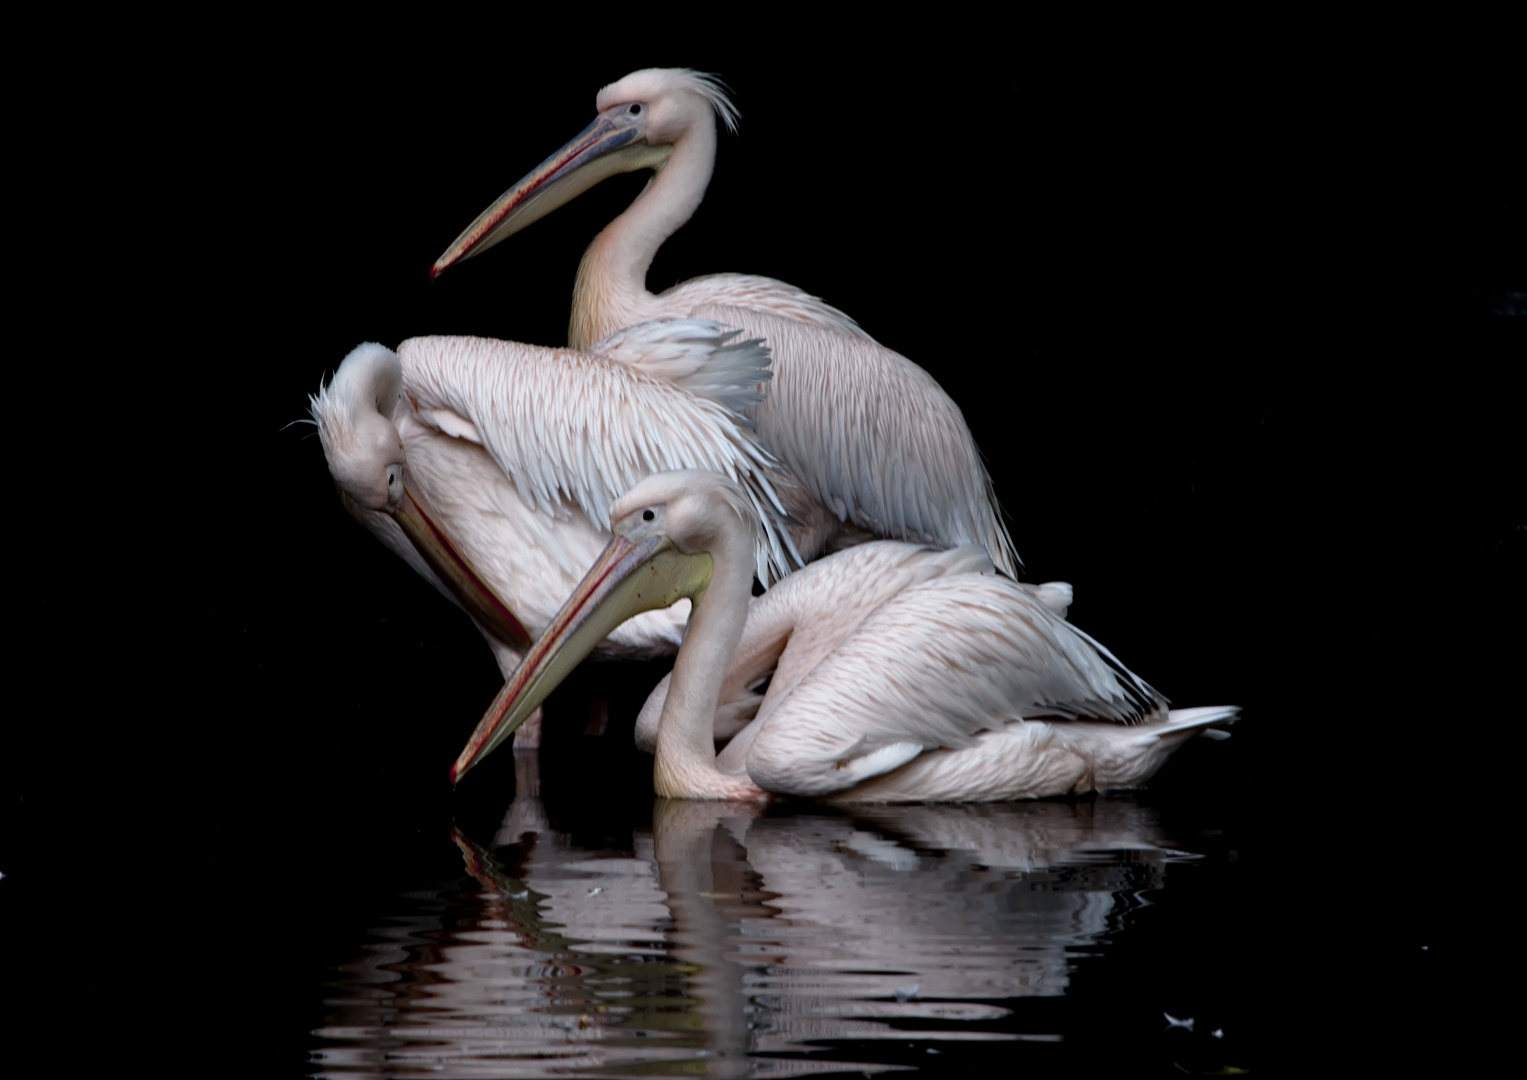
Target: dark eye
x=648, y=515
x=634, y=110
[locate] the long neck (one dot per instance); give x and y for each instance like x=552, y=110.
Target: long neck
x=686, y=755
x=611, y=289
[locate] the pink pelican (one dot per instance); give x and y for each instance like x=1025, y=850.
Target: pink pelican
x=899, y=673
x=870, y=435
x=490, y=466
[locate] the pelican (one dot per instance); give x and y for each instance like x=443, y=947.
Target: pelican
x=490, y=466
x=899, y=673
x=871, y=435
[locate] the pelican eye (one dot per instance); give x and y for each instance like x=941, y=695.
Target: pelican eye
x=634, y=110
x=648, y=515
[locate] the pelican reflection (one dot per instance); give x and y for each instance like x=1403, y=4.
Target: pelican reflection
x=729, y=932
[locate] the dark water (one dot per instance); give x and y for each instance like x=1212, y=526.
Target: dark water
x=732, y=940
x=380, y=926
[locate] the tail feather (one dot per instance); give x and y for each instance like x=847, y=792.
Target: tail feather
x=1201, y=718
x=1127, y=756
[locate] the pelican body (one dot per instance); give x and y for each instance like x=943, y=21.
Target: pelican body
x=872, y=437
x=490, y=466
x=899, y=673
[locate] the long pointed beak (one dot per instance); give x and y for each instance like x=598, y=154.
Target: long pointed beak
x=626, y=580
x=475, y=594
x=610, y=145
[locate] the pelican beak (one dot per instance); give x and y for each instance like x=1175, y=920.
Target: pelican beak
x=613, y=143
x=476, y=595
x=627, y=579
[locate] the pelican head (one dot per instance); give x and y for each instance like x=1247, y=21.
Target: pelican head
x=354, y=415
x=642, y=118
x=672, y=531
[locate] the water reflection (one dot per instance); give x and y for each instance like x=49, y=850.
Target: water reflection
x=732, y=937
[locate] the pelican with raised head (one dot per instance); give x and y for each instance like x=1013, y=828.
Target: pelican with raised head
x=899, y=673
x=872, y=437
x=490, y=466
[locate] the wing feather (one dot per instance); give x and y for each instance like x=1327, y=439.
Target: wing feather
x=966, y=654
x=755, y=293
x=586, y=426
x=872, y=436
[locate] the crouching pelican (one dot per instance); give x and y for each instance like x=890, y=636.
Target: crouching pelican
x=490, y=466
x=899, y=673
x=871, y=435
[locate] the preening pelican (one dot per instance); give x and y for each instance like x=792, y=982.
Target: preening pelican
x=899, y=673
x=871, y=435
x=490, y=466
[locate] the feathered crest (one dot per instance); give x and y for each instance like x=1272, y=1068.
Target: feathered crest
x=713, y=90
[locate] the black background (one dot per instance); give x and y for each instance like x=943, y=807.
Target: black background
x=1225, y=308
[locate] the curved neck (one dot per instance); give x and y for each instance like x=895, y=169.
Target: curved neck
x=611, y=288
x=686, y=754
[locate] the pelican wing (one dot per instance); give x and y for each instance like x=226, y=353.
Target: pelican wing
x=750, y=292
x=783, y=639
x=690, y=355
x=932, y=668
x=587, y=426
x=872, y=436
